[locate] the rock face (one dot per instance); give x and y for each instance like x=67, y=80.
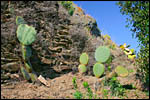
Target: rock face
x=60, y=40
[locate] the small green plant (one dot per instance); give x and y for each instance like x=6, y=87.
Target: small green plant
x=26, y=35
x=89, y=91
x=121, y=71
x=105, y=93
x=74, y=82
x=68, y=6
x=109, y=68
x=78, y=95
x=112, y=46
x=115, y=87
x=98, y=69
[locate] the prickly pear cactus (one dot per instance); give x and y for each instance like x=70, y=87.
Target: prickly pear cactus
x=121, y=71
x=84, y=58
x=26, y=34
x=82, y=68
x=98, y=69
x=102, y=54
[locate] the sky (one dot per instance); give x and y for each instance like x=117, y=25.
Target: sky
x=110, y=21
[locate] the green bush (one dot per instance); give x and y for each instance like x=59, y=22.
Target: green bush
x=138, y=11
x=68, y=6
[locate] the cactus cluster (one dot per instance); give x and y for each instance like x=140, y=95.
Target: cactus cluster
x=102, y=54
x=83, y=62
x=26, y=36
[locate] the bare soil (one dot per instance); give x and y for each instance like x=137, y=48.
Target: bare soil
x=60, y=87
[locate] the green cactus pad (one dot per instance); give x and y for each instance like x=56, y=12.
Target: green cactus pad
x=84, y=58
x=82, y=68
x=25, y=73
x=26, y=34
x=102, y=54
x=98, y=69
x=26, y=52
x=20, y=20
x=121, y=71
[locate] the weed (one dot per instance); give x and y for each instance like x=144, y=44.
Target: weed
x=115, y=87
x=105, y=93
x=78, y=95
x=74, y=82
x=68, y=6
x=89, y=91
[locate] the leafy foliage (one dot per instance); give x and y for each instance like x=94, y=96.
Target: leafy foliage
x=68, y=6
x=138, y=11
x=78, y=95
x=115, y=87
x=89, y=91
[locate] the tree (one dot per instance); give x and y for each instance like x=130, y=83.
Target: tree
x=138, y=22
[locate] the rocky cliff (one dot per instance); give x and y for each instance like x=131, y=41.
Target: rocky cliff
x=61, y=38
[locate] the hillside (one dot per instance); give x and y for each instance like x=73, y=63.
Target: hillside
x=62, y=36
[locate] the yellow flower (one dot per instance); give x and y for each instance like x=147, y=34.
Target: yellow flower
x=123, y=46
x=131, y=56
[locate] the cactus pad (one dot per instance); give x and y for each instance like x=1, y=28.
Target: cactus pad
x=98, y=69
x=82, y=68
x=84, y=58
x=26, y=34
x=20, y=20
x=121, y=71
x=102, y=54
